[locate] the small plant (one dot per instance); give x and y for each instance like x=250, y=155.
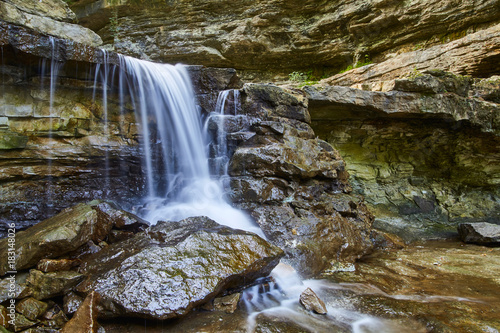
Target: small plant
x=305, y=79
x=358, y=64
x=297, y=76
x=414, y=74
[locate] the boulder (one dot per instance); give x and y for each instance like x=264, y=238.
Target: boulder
x=481, y=233
x=66, y=232
x=169, y=269
x=310, y=301
x=56, y=236
x=85, y=318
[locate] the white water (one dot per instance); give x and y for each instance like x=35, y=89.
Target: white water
x=174, y=141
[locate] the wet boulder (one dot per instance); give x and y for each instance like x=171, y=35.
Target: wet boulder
x=66, y=232
x=171, y=268
x=482, y=233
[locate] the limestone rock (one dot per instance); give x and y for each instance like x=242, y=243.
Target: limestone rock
x=468, y=55
x=39, y=19
x=31, y=308
x=294, y=185
x=110, y=213
x=169, y=269
x=482, y=233
x=55, y=9
x=21, y=290
x=12, y=140
x=71, y=302
x=22, y=323
x=54, y=318
x=273, y=36
x=85, y=318
x=333, y=103
x=312, y=302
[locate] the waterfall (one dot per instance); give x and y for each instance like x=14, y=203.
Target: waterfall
x=179, y=183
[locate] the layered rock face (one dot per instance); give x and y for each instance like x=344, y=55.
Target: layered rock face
x=52, y=17
x=280, y=37
x=424, y=153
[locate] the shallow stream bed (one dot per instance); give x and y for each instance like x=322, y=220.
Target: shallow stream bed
x=426, y=287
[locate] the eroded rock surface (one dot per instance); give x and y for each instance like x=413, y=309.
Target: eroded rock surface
x=273, y=36
x=476, y=54
x=63, y=233
x=52, y=17
x=173, y=267
x=424, y=153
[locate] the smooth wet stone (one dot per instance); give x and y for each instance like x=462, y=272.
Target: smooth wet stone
x=31, y=308
x=85, y=318
x=112, y=214
x=171, y=268
x=47, y=285
x=448, y=286
x=482, y=233
x=310, y=301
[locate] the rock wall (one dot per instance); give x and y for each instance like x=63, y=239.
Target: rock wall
x=425, y=154
x=274, y=37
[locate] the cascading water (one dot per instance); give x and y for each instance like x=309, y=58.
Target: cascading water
x=179, y=184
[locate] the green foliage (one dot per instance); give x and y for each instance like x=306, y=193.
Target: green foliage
x=358, y=64
x=305, y=79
